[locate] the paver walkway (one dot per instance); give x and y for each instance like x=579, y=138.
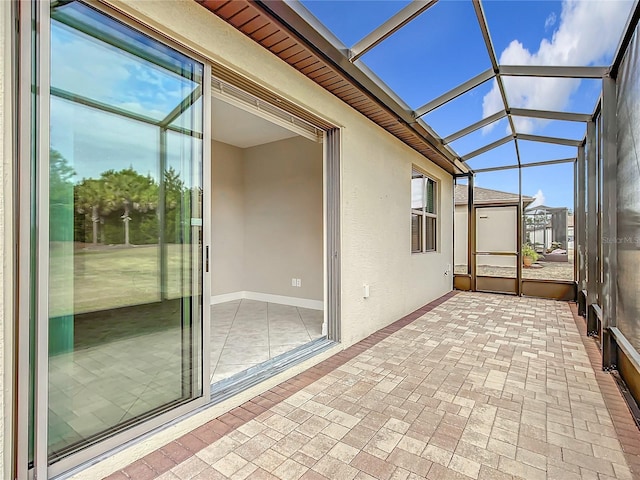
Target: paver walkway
x=481, y=386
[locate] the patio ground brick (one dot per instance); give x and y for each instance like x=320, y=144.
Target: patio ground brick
x=471, y=386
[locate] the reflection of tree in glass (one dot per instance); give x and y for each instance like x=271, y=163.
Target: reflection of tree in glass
x=127, y=190
x=60, y=174
x=173, y=199
x=60, y=195
x=90, y=200
x=132, y=198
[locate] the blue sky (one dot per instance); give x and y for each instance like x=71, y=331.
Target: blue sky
x=431, y=55
x=443, y=47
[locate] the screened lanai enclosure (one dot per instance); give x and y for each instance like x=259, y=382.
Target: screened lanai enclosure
x=507, y=239
x=191, y=223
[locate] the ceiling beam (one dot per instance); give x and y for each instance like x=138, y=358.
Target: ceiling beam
x=525, y=165
x=484, y=28
x=486, y=148
x=456, y=92
x=388, y=28
x=475, y=126
x=558, y=141
x=552, y=71
x=571, y=117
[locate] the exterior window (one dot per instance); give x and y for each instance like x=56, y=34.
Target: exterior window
x=424, y=216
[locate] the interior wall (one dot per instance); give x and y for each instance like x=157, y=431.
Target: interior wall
x=267, y=219
x=227, y=218
x=284, y=218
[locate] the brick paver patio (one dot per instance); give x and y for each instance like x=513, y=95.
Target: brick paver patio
x=474, y=386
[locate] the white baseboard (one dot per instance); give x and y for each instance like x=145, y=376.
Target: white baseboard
x=267, y=297
x=227, y=297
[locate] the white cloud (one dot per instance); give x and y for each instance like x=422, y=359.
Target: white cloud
x=539, y=199
x=550, y=21
x=588, y=31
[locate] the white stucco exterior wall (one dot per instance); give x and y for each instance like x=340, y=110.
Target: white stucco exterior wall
x=376, y=243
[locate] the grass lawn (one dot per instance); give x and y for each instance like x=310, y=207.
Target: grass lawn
x=546, y=271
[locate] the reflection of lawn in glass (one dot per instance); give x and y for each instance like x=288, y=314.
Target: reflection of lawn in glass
x=114, y=276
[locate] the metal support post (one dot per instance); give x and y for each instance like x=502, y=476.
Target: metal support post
x=609, y=220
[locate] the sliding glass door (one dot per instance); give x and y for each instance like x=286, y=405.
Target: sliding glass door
x=118, y=288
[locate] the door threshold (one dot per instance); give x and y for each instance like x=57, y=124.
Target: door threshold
x=233, y=385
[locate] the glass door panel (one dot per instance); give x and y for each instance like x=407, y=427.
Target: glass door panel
x=125, y=186
x=496, y=254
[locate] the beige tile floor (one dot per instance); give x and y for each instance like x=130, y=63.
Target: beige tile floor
x=245, y=333
x=481, y=387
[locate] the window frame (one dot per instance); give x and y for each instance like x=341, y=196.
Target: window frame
x=422, y=213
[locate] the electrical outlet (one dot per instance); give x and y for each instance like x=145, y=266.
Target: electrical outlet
x=298, y=282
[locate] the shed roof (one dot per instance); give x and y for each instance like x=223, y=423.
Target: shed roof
x=487, y=195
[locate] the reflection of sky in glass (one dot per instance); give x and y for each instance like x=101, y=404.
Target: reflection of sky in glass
x=99, y=72
x=93, y=141
x=190, y=118
x=417, y=192
x=104, y=61
x=181, y=149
